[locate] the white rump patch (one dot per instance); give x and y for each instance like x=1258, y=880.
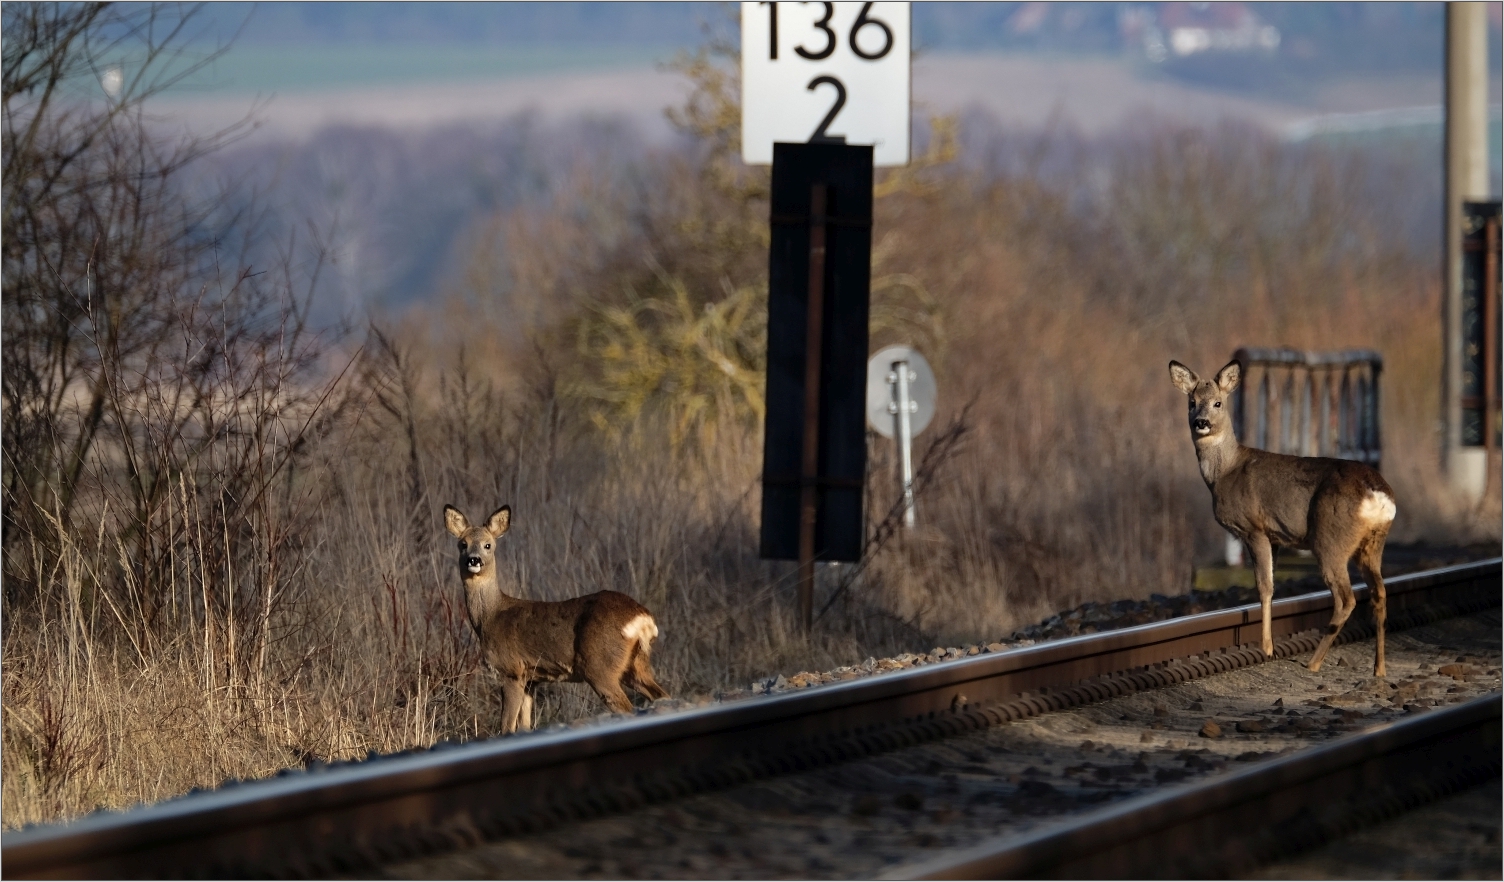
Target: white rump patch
x=1377, y=508
x=643, y=629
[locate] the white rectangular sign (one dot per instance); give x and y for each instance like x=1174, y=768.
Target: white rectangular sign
x=813, y=70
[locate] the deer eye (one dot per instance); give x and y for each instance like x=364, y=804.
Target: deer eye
x=462, y=545
x=1218, y=404
x=488, y=546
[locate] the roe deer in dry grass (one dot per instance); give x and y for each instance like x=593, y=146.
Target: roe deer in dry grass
x=602, y=639
x=1337, y=508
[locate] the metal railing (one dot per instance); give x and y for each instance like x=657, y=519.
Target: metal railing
x=1310, y=403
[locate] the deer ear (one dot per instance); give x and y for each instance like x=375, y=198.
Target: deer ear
x=1183, y=377
x=499, y=521
x=1229, y=377
x=455, y=521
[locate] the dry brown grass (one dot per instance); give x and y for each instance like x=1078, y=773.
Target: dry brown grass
x=1053, y=311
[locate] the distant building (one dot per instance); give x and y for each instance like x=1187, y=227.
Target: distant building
x=1178, y=30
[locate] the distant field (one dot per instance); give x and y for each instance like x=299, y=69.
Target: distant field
x=295, y=69
x=1417, y=130
x=421, y=85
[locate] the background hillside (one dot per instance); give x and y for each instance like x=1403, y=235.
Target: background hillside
x=1317, y=37
x=475, y=106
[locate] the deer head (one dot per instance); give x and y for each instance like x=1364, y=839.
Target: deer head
x=1210, y=406
x=477, y=545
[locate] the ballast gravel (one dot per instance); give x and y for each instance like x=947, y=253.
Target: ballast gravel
x=1456, y=837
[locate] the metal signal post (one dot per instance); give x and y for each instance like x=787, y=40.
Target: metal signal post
x=809, y=473
x=819, y=269
x=900, y=405
x=903, y=410
x=825, y=97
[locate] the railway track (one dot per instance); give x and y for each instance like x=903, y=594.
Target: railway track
x=1240, y=821
x=418, y=814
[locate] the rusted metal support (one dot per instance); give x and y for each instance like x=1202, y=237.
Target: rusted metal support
x=810, y=471
x=1324, y=437
x=1491, y=357
x=1479, y=398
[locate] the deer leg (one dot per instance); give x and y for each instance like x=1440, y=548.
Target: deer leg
x=525, y=718
x=605, y=673
x=1263, y=577
x=1334, y=571
x=640, y=677
x=610, y=691
x=1370, y=557
x=513, y=701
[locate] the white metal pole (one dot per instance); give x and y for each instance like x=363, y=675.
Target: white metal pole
x=1466, y=178
x=903, y=409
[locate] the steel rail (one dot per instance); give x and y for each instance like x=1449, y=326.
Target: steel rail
x=1240, y=820
x=335, y=819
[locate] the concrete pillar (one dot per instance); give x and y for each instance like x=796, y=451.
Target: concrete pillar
x=1466, y=178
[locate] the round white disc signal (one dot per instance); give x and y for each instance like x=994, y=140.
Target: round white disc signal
x=880, y=390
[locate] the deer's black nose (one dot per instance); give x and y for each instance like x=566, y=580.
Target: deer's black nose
x=472, y=561
x=1203, y=424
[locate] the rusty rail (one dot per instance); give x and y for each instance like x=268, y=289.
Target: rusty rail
x=351, y=816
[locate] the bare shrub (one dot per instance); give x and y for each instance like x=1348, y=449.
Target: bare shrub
x=157, y=408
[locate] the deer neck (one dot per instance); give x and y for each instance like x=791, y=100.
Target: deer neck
x=1217, y=455
x=484, y=598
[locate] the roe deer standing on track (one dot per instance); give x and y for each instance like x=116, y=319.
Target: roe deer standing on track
x=1337, y=508
x=601, y=638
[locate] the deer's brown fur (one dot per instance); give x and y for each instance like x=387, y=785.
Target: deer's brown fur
x=603, y=639
x=1339, y=509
